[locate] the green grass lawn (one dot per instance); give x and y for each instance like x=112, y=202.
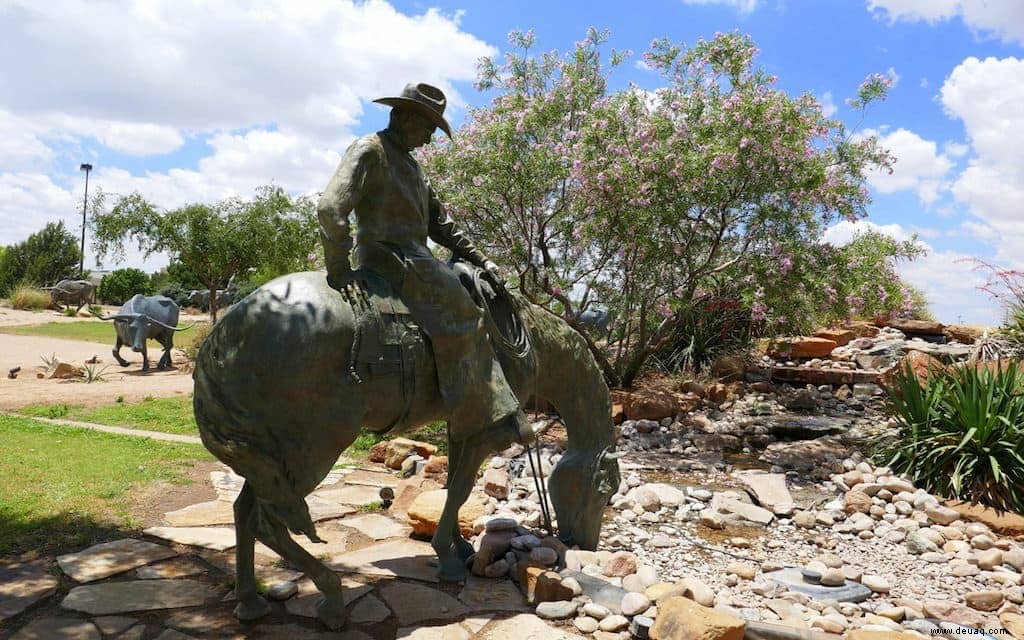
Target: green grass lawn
x=102, y=332
x=65, y=487
x=169, y=415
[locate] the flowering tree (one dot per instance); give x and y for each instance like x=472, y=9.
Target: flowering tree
x=646, y=200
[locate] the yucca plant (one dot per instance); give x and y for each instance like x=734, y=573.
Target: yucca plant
x=960, y=433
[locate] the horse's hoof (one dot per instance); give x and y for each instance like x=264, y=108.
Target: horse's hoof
x=463, y=549
x=331, y=612
x=452, y=570
x=251, y=608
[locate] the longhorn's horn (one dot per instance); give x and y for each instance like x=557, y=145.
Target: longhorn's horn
x=117, y=316
x=167, y=326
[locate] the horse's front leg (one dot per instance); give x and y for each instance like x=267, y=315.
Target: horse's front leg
x=464, y=458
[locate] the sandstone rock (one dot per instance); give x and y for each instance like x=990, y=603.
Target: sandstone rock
x=496, y=483
x=613, y=623
x=841, y=337
x=1014, y=623
x=984, y=600
x=990, y=559
x=953, y=612
x=801, y=348
x=379, y=452
x=856, y=502
x=556, y=610
x=585, y=624
x=926, y=327
x=621, y=563
x=681, y=619
x=921, y=364
x=435, y=466
x=941, y=515
x=399, y=449
x=634, y=603
x=67, y=371
x=744, y=570
x=426, y=508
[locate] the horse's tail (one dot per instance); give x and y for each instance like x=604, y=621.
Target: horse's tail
x=240, y=441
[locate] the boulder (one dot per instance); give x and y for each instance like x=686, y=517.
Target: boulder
x=399, y=449
x=923, y=327
x=496, y=483
x=425, y=511
x=67, y=371
x=921, y=364
x=802, y=347
x=964, y=334
x=862, y=329
x=682, y=619
x=841, y=337
x=652, y=404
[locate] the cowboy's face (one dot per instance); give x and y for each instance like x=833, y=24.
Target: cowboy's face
x=421, y=130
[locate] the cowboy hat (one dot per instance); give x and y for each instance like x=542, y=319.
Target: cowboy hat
x=424, y=99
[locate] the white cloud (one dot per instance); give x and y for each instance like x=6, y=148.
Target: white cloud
x=274, y=89
x=1003, y=19
x=919, y=166
x=828, y=104
x=743, y=6
x=955, y=149
x=986, y=95
x=948, y=278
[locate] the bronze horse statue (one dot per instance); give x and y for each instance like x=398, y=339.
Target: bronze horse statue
x=277, y=400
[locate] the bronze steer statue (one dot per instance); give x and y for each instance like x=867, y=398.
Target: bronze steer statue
x=146, y=318
x=67, y=293
x=335, y=371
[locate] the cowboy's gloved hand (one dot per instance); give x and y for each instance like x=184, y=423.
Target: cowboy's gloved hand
x=496, y=273
x=346, y=281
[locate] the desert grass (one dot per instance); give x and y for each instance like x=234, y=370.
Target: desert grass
x=27, y=297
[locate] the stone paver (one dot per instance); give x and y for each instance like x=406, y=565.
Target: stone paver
x=113, y=625
x=304, y=603
x=369, y=609
x=354, y=495
x=482, y=594
x=202, y=514
x=321, y=508
x=22, y=584
x=371, y=478
x=524, y=626
x=377, y=526
x=54, y=628
x=395, y=558
x=177, y=568
x=137, y=595
x=413, y=603
x=110, y=558
x=216, y=538
x=770, y=490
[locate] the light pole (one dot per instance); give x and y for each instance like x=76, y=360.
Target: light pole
x=81, y=263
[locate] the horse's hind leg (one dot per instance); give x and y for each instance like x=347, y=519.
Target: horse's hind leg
x=331, y=609
x=250, y=604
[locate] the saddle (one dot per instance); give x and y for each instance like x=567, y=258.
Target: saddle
x=388, y=339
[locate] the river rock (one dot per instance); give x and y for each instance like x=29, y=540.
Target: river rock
x=984, y=600
x=682, y=619
x=557, y=610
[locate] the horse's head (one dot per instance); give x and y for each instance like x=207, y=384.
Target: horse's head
x=580, y=487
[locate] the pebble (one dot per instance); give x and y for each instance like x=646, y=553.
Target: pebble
x=877, y=584
x=585, y=624
x=634, y=603
x=557, y=610
x=596, y=611
x=282, y=590
x=613, y=623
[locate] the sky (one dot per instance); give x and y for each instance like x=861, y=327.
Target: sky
x=187, y=101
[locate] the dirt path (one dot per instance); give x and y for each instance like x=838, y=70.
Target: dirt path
x=129, y=382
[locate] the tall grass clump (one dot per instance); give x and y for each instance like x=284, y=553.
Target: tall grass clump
x=960, y=433
x=27, y=297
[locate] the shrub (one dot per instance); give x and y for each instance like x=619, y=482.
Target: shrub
x=25, y=296
x=120, y=285
x=175, y=291
x=714, y=325
x=960, y=433
x=200, y=332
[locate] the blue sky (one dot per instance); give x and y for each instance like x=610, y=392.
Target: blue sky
x=190, y=101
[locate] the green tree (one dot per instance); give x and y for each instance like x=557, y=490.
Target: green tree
x=121, y=284
x=642, y=200
x=44, y=258
x=215, y=242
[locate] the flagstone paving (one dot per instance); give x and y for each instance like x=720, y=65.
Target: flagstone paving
x=391, y=585
x=110, y=558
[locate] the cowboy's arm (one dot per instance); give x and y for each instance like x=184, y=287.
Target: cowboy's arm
x=443, y=231
x=339, y=199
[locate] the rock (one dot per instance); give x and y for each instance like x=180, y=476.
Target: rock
x=58, y=628
x=953, y=612
x=801, y=348
x=1015, y=558
x=585, y=624
x=652, y=404
x=841, y=337
x=378, y=452
x=805, y=519
x=557, y=610
x=856, y=502
x=620, y=564
x=681, y=619
x=496, y=483
x=984, y=600
x=688, y=587
x=397, y=450
x=544, y=555
x=769, y=490
x=722, y=503
x=425, y=511
x=404, y=558
x=413, y=603
x=282, y=590
x=833, y=577
x=612, y=623
x=436, y=466
x=137, y=595
x=633, y=604
x=666, y=494
x=744, y=570
x=877, y=584
x=924, y=327
x=67, y=371
x=990, y=559
x=941, y=515
x=1014, y=623
x=640, y=627
x=921, y=364
x=917, y=544
x=805, y=455
x=864, y=634
x=23, y=582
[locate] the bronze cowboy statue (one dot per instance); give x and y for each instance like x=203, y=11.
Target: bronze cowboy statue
x=397, y=210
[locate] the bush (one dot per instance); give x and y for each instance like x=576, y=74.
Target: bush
x=960, y=434
x=46, y=257
x=120, y=285
x=25, y=296
x=175, y=291
x=714, y=325
x=200, y=332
